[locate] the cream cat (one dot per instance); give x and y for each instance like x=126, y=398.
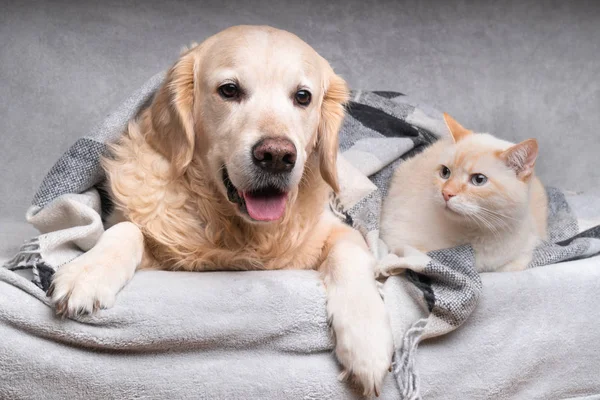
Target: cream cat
x=468, y=189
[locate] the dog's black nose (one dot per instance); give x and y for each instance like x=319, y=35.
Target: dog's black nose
x=275, y=154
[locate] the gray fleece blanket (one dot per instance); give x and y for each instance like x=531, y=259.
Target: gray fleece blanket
x=382, y=129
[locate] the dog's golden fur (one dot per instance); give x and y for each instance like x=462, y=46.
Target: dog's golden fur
x=172, y=210
x=159, y=185
x=188, y=225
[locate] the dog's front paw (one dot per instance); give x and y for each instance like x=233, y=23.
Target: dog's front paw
x=81, y=288
x=364, y=344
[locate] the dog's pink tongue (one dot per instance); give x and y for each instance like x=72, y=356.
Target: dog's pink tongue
x=265, y=208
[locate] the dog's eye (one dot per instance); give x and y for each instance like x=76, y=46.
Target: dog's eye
x=229, y=91
x=302, y=97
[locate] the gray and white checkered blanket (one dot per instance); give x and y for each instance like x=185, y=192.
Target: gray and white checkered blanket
x=380, y=131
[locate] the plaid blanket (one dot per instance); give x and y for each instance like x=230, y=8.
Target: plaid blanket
x=380, y=131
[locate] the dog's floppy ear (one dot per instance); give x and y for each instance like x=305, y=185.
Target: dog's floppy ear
x=172, y=118
x=332, y=116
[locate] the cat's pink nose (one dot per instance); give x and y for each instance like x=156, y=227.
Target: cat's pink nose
x=447, y=194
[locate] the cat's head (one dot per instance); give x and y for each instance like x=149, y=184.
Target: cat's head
x=484, y=180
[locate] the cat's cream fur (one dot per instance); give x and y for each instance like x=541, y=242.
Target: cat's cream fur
x=503, y=219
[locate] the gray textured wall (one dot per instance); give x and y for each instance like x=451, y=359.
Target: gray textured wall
x=517, y=69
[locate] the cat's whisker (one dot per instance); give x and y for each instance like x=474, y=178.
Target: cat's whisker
x=497, y=220
x=476, y=221
x=499, y=214
x=488, y=224
x=492, y=218
x=484, y=223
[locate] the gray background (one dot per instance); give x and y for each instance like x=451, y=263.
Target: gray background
x=516, y=69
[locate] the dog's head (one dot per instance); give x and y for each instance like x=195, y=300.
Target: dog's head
x=253, y=104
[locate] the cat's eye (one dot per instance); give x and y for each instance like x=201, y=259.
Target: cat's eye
x=445, y=172
x=478, y=179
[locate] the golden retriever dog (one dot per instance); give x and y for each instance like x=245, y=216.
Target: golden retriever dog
x=230, y=168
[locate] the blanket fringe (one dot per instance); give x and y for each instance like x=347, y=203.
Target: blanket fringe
x=404, y=364
x=28, y=257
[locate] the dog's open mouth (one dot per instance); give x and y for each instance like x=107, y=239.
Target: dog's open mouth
x=264, y=204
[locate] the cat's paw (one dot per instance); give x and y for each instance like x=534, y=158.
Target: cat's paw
x=81, y=288
x=519, y=264
x=364, y=343
x=393, y=264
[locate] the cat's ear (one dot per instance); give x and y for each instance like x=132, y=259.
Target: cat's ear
x=521, y=158
x=457, y=131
